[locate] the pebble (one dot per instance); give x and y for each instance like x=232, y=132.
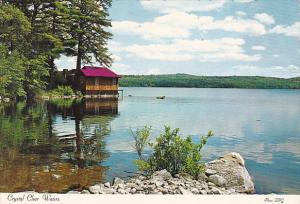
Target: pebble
x=209, y=172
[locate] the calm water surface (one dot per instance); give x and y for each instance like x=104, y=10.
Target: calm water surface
x=58, y=146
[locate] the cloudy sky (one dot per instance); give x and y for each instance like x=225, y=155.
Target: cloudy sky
x=216, y=37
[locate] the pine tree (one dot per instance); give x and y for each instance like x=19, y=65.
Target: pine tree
x=88, y=28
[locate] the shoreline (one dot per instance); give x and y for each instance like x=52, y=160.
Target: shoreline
x=226, y=175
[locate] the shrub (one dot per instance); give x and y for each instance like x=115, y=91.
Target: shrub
x=175, y=154
x=62, y=91
x=141, y=138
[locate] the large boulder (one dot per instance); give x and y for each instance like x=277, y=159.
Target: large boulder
x=232, y=168
x=217, y=180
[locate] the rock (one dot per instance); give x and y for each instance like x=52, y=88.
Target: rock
x=96, y=189
x=85, y=192
x=133, y=190
x=215, y=190
x=73, y=192
x=184, y=191
x=202, y=177
x=176, y=182
x=164, y=191
x=117, y=181
x=142, y=177
x=156, y=182
x=218, y=180
x=122, y=191
x=232, y=168
x=107, y=184
x=151, y=187
x=209, y=172
x=210, y=184
x=195, y=191
x=185, y=176
x=136, y=181
x=203, y=192
x=121, y=185
x=163, y=175
x=238, y=158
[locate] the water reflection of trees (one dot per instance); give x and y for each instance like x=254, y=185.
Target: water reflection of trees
x=35, y=157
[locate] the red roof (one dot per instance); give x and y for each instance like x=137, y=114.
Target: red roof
x=90, y=71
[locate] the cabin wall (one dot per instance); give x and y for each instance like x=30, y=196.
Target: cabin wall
x=101, y=84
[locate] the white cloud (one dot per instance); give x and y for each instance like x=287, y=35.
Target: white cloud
x=264, y=18
x=121, y=68
x=273, y=71
x=168, y=6
x=181, y=24
x=240, y=13
x=224, y=49
x=116, y=58
x=258, y=47
x=292, y=30
x=155, y=29
x=232, y=24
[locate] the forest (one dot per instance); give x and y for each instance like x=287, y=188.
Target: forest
x=34, y=33
x=192, y=81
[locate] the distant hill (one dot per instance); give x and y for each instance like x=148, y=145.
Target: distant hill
x=186, y=80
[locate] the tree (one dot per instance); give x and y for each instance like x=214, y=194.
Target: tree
x=12, y=73
x=89, y=21
x=23, y=63
x=56, y=16
x=14, y=29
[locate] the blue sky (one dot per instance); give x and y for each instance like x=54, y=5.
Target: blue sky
x=216, y=37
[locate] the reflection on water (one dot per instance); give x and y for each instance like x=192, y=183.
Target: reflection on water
x=67, y=145
x=54, y=147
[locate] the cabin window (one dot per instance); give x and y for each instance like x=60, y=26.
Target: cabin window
x=114, y=81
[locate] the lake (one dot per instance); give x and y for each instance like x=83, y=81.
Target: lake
x=63, y=145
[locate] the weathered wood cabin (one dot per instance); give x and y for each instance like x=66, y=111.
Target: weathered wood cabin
x=98, y=81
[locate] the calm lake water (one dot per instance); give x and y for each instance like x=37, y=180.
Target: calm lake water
x=59, y=146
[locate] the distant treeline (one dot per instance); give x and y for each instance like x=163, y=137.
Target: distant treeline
x=185, y=80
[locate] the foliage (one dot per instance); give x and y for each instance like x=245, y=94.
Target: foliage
x=62, y=91
x=15, y=28
x=141, y=139
x=24, y=68
x=35, y=75
x=12, y=73
x=89, y=20
x=185, y=80
x=175, y=154
x=41, y=31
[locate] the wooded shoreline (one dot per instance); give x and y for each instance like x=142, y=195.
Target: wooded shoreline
x=193, y=81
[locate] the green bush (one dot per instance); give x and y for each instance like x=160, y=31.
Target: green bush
x=141, y=139
x=173, y=153
x=62, y=91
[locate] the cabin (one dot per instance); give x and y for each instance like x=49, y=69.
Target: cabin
x=98, y=81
